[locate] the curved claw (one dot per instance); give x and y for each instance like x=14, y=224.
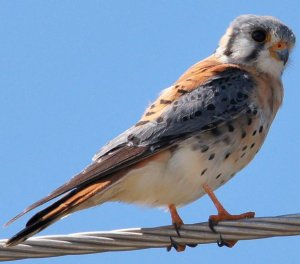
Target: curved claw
x=178, y=247
x=226, y=243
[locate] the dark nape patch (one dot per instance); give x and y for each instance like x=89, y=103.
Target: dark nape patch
x=202, y=173
x=163, y=101
x=204, y=148
x=140, y=123
x=228, y=50
x=218, y=176
x=211, y=157
x=261, y=129
x=150, y=113
x=254, y=133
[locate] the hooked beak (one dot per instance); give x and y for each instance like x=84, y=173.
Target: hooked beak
x=280, y=51
x=283, y=55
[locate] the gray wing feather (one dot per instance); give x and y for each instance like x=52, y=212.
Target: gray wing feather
x=216, y=102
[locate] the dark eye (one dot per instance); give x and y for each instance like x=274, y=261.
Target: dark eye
x=259, y=35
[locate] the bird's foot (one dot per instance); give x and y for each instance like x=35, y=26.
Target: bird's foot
x=177, y=223
x=222, y=216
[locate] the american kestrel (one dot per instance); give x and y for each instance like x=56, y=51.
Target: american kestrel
x=195, y=137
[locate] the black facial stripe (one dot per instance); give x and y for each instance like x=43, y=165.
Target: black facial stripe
x=254, y=54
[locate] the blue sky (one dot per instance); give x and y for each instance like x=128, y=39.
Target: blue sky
x=74, y=74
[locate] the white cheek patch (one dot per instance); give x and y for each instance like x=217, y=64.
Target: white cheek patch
x=242, y=48
x=266, y=63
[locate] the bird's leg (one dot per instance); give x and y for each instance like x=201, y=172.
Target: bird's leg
x=223, y=215
x=177, y=223
x=176, y=220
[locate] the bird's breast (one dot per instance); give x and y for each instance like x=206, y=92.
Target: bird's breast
x=176, y=176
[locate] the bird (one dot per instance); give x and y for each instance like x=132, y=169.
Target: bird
x=192, y=139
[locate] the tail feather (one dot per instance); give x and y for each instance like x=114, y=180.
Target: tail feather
x=69, y=203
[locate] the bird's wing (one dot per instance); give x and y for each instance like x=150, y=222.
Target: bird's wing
x=206, y=96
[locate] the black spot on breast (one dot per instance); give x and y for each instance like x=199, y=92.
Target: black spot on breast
x=261, y=129
x=227, y=155
x=175, y=103
x=254, y=133
x=224, y=99
x=202, y=173
x=252, y=145
x=152, y=106
x=204, y=148
x=218, y=176
x=244, y=148
x=249, y=122
x=243, y=155
x=185, y=118
x=232, y=175
x=217, y=93
x=244, y=134
x=211, y=157
x=230, y=128
x=211, y=107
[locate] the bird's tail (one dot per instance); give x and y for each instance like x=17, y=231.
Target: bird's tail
x=71, y=202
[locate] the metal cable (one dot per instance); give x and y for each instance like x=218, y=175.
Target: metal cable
x=158, y=237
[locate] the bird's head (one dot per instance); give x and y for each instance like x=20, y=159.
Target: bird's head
x=262, y=42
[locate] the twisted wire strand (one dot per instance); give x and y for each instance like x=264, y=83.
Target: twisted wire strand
x=157, y=237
